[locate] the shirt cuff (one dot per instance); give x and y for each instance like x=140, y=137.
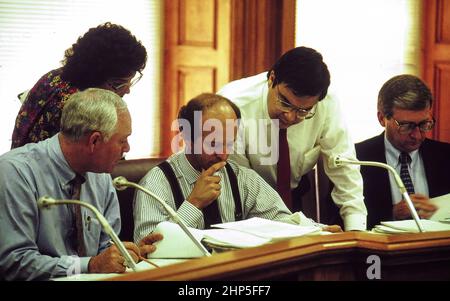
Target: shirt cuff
x=84, y=264
x=191, y=215
x=355, y=222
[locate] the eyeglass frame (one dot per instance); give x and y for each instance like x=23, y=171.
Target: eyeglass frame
x=302, y=113
x=410, y=123
x=130, y=84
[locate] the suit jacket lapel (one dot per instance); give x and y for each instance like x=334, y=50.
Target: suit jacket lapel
x=431, y=165
x=383, y=182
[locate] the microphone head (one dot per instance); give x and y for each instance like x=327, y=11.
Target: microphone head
x=120, y=183
x=45, y=202
x=334, y=161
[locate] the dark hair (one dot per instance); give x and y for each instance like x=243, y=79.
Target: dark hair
x=201, y=103
x=406, y=92
x=303, y=71
x=104, y=52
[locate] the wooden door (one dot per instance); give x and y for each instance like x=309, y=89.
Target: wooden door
x=436, y=59
x=261, y=31
x=196, y=55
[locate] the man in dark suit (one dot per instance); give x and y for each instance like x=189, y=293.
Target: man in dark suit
x=404, y=110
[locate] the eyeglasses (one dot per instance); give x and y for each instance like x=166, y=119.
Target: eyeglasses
x=407, y=126
x=287, y=107
x=129, y=84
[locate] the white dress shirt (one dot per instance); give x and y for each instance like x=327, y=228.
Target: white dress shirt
x=325, y=134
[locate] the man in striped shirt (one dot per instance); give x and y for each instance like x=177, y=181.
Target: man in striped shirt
x=199, y=182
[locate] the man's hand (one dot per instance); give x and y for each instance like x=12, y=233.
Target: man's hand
x=332, y=228
x=111, y=260
x=423, y=207
x=207, y=188
x=146, y=244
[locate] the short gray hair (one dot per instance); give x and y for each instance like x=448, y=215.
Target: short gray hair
x=406, y=92
x=91, y=110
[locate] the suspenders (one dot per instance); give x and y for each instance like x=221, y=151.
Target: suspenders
x=211, y=213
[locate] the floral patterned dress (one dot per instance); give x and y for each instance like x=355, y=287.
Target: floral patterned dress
x=40, y=115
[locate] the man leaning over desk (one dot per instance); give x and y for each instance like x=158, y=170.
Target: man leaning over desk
x=294, y=94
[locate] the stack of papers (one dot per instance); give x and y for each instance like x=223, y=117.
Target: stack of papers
x=439, y=221
x=255, y=232
x=410, y=226
x=443, y=213
x=242, y=234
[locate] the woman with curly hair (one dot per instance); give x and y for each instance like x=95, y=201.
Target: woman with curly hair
x=107, y=56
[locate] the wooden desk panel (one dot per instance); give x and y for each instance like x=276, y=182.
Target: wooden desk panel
x=423, y=256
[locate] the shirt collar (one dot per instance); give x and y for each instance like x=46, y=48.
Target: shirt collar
x=189, y=172
x=55, y=152
x=392, y=153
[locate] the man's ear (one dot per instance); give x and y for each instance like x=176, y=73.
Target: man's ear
x=189, y=147
x=381, y=119
x=271, y=79
x=94, y=139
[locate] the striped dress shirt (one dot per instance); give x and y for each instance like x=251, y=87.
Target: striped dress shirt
x=259, y=199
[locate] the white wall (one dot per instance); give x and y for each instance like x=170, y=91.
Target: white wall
x=34, y=35
x=364, y=43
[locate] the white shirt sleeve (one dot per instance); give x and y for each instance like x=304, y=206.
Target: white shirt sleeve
x=348, y=184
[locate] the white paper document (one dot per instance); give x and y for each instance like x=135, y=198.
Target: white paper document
x=267, y=229
x=254, y=232
x=242, y=234
x=228, y=238
x=443, y=212
x=410, y=226
x=176, y=243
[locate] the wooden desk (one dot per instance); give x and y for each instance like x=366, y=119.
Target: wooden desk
x=424, y=256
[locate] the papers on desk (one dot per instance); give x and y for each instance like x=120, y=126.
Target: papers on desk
x=176, y=243
x=242, y=234
x=443, y=212
x=271, y=231
x=439, y=221
x=253, y=232
x=410, y=226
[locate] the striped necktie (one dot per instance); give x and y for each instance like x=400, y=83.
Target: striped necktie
x=76, y=210
x=405, y=160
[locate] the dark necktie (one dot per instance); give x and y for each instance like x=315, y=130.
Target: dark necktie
x=405, y=159
x=211, y=214
x=284, y=169
x=76, y=209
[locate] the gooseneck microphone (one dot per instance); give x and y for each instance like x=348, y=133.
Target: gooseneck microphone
x=46, y=202
x=121, y=183
x=337, y=160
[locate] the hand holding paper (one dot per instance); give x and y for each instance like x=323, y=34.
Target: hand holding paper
x=424, y=207
x=443, y=204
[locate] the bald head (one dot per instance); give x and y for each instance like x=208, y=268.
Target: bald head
x=208, y=106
